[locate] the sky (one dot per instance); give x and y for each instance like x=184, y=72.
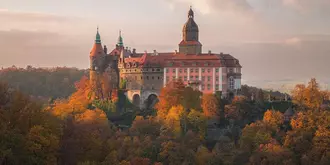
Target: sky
x=279, y=42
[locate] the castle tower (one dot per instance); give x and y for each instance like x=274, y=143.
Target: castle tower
x=120, y=42
x=97, y=58
x=190, y=36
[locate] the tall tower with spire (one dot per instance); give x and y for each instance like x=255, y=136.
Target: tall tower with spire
x=190, y=36
x=120, y=42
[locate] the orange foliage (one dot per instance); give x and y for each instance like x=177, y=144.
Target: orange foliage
x=210, y=105
x=170, y=96
x=311, y=96
x=272, y=117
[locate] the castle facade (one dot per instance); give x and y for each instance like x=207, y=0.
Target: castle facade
x=145, y=73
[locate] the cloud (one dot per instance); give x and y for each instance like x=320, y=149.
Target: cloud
x=295, y=41
x=36, y=21
x=307, y=5
x=215, y=6
x=41, y=48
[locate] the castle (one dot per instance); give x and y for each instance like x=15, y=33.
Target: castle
x=145, y=73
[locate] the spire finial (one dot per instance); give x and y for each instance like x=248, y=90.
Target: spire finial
x=120, y=40
x=98, y=37
x=191, y=13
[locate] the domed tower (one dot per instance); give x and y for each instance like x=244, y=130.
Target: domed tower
x=190, y=39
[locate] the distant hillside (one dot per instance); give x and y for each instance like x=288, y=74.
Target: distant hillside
x=261, y=94
x=42, y=82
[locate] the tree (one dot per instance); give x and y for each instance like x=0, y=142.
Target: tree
x=310, y=97
x=274, y=118
x=313, y=96
x=170, y=96
x=210, y=105
x=298, y=94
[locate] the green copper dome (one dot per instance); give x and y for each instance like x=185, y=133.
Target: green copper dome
x=120, y=40
x=98, y=37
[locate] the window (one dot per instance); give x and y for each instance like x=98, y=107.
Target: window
x=196, y=77
x=185, y=70
x=231, y=83
x=152, y=69
x=152, y=77
x=180, y=70
x=217, y=87
x=231, y=70
x=208, y=78
x=185, y=78
x=173, y=77
x=158, y=70
x=217, y=70
x=208, y=87
x=141, y=78
x=196, y=70
x=166, y=70
x=135, y=77
x=203, y=70
x=158, y=77
x=203, y=78
x=191, y=77
x=208, y=70
x=147, y=77
x=180, y=78
x=217, y=78
x=238, y=70
x=173, y=70
x=192, y=70
x=203, y=86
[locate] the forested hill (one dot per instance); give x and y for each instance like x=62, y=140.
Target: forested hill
x=44, y=83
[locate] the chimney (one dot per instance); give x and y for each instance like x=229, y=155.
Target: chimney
x=210, y=52
x=134, y=51
x=105, y=49
x=221, y=53
x=176, y=52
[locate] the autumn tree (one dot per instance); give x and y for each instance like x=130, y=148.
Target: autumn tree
x=28, y=134
x=210, y=105
x=170, y=96
x=273, y=117
x=239, y=109
x=309, y=96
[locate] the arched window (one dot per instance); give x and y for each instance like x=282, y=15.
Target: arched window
x=231, y=83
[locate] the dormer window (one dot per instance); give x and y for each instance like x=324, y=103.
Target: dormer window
x=206, y=64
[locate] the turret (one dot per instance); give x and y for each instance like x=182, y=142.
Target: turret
x=120, y=43
x=97, y=53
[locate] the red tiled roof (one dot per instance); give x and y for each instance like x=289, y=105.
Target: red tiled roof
x=183, y=42
x=97, y=50
x=163, y=59
x=195, y=57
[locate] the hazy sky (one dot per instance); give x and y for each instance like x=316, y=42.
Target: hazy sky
x=277, y=41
